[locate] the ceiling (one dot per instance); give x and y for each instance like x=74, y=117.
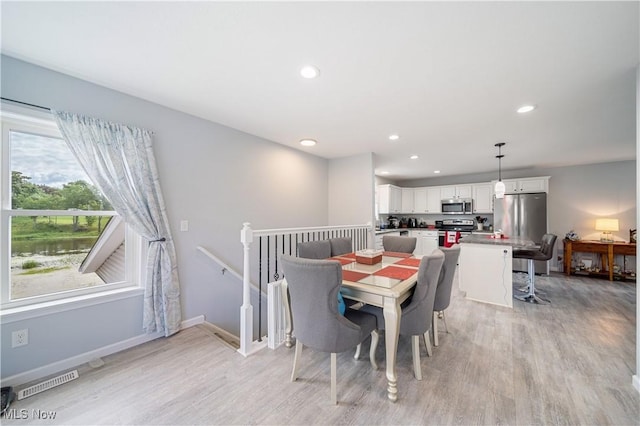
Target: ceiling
x=447, y=77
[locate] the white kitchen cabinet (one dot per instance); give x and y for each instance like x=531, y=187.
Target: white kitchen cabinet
x=420, y=200
x=434, y=200
x=407, y=203
x=534, y=185
x=378, y=242
x=510, y=186
x=455, y=191
x=526, y=185
x=426, y=241
x=483, y=197
x=389, y=199
x=418, y=249
x=447, y=192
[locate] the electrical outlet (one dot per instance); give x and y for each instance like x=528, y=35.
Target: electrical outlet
x=19, y=338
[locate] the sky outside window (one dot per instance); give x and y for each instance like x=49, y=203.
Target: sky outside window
x=47, y=161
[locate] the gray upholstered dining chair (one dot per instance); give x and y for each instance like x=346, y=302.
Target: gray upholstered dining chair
x=418, y=314
x=445, y=287
x=313, y=287
x=340, y=245
x=544, y=253
x=320, y=249
x=399, y=244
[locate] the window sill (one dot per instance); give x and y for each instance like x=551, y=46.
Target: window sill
x=21, y=313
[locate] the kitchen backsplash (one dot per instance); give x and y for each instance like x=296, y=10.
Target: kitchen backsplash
x=426, y=220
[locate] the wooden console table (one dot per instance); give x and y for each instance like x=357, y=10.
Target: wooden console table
x=606, y=251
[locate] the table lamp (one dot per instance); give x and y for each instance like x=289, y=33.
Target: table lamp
x=606, y=226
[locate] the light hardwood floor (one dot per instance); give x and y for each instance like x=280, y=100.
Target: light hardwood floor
x=570, y=362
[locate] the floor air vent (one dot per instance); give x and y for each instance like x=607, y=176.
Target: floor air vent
x=48, y=384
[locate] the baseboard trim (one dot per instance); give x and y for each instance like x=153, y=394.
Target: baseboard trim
x=75, y=361
x=224, y=333
x=191, y=322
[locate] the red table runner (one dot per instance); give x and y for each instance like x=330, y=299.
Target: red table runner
x=353, y=276
x=395, y=272
x=396, y=254
x=409, y=262
x=349, y=255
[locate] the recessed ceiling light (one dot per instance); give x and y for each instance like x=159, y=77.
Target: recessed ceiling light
x=384, y=172
x=309, y=71
x=436, y=171
x=307, y=142
x=526, y=108
x=394, y=137
x=414, y=157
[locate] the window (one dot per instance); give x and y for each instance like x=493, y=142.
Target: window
x=59, y=235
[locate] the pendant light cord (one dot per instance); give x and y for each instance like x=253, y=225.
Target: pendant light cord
x=499, y=157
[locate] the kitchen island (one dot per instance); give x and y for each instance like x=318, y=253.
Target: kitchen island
x=485, y=268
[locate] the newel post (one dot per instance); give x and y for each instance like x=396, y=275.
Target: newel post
x=246, y=310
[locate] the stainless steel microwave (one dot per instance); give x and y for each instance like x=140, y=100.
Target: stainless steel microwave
x=457, y=206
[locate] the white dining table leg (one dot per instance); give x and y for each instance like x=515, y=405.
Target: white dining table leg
x=391, y=311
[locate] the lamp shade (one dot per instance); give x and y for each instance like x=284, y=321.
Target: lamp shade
x=499, y=189
x=607, y=225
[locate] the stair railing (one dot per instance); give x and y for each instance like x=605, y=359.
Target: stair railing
x=262, y=260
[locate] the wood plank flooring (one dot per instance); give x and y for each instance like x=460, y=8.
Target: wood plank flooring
x=570, y=362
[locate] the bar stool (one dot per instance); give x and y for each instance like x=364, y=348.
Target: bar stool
x=544, y=252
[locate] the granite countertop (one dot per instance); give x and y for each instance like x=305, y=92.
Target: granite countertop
x=487, y=239
x=386, y=230
x=483, y=232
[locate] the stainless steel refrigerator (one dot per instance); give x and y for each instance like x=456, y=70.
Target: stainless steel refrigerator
x=525, y=216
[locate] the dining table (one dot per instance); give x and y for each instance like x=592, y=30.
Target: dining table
x=386, y=284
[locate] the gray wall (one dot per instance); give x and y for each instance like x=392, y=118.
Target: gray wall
x=213, y=176
x=351, y=190
x=636, y=377
x=577, y=195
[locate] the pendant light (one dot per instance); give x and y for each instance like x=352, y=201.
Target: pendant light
x=500, y=188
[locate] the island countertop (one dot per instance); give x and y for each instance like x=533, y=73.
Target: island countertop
x=488, y=239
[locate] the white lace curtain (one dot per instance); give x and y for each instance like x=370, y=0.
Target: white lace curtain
x=119, y=160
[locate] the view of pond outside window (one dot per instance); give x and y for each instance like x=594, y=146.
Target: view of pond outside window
x=57, y=251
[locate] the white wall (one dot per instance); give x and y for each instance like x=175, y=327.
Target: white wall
x=211, y=175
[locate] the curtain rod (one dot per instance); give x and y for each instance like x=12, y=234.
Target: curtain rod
x=25, y=103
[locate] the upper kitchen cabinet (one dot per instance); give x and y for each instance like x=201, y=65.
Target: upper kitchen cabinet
x=389, y=199
x=420, y=200
x=407, y=200
x=455, y=191
x=425, y=200
x=434, y=198
x=526, y=185
x=483, y=197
